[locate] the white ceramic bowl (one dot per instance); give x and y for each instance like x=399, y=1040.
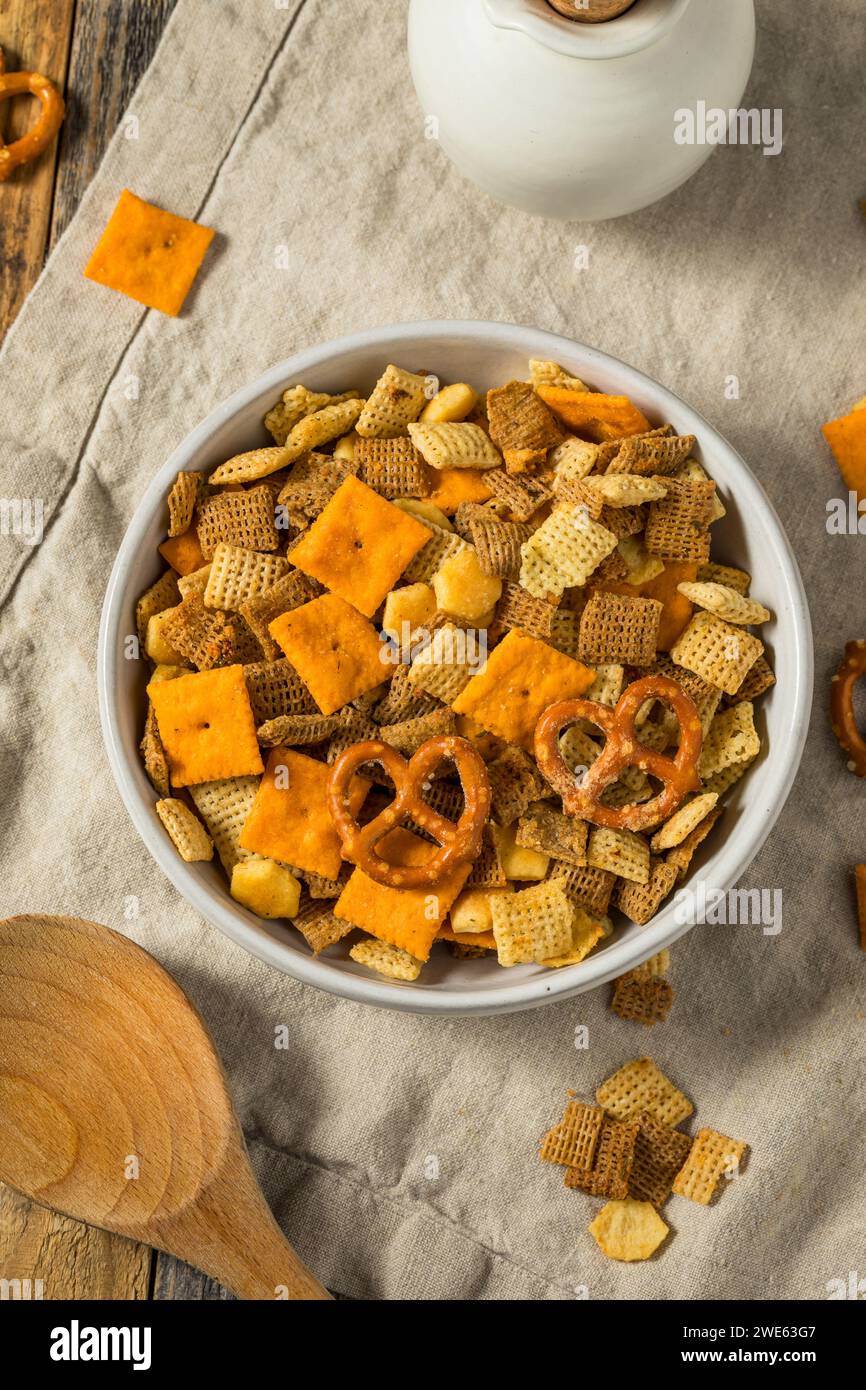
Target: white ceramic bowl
x=486, y=354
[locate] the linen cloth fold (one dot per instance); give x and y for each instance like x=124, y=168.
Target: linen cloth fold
x=400, y=1152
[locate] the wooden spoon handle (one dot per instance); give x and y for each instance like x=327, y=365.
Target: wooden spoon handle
x=231, y=1234
x=591, y=11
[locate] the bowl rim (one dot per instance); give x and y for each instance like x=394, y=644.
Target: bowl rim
x=733, y=859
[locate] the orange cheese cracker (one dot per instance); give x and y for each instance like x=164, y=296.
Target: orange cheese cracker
x=183, y=553
x=456, y=485
x=405, y=917
x=847, y=438
x=289, y=820
x=335, y=651
x=360, y=545
x=486, y=939
x=206, y=726
x=150, y=255
x=521, y=678
x=591, y=413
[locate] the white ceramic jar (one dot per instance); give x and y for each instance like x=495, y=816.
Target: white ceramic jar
x=574, y=120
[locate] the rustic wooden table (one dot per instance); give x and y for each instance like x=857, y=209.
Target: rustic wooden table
x=96, y=51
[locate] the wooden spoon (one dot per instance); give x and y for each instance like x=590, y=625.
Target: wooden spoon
x=591, y=11
x=114, y=1107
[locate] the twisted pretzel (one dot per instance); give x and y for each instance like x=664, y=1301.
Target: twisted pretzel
x=622, y=749
x=842, y=716
x=13, y=84
x=459, y=841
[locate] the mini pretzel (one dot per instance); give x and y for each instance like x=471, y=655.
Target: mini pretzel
x=622, y=749
x=842, y=706
x=459, y=841
x=13, y=84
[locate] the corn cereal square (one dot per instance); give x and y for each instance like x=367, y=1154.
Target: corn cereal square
x=335, y=651
x=521, y=678
x=290, y=821
x=359, y=545
x=206, y=725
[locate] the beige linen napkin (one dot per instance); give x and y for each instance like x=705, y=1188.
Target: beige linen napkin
x=399, y=1152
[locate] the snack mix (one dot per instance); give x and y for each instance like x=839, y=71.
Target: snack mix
x=434, y=667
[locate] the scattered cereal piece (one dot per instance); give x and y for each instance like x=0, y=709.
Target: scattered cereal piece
x=185, y=830
x=717, y=651
x=455, y=446
x=659, y=1154
x=532, y=925
x=391, y=961
x=713, y=1156
x=639, y=1086
x=683, y=822
x=574, y=1140
x=609, y=1174
x=397, y=399
x=642, y=1001
x=725, y=603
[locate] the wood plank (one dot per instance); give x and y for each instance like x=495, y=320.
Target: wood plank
x=35, y=35
x=112, y=45
x=176, y=1280
x=70, y=1260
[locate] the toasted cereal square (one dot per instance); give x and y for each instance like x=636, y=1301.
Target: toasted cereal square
x=397, y=399
x=249, y=467
x=359, y=546
x=641, y=901
x=185, y=830
x=655, y=454
x=194, y=583
x=589, y=889
x=620, y=852
x=151, y=255
x=532, y=925
x=725, y=602
x=320, y=427
x=677, y=525
x=712, y=1157
x=442, y=545
x=758, y=679
x=293, y=590
x=718, y=652
x=681, y=824
x=318, y=925
x=642, y=1001
x=514, y=782
x=293, y=405
x=732, y=578
x=497, y=542
x=336, y=652
x=206, y=726
x=628, y=1230
x=615, y=628
x=609, y=1174
x=574, y=1140
x=269, y=890
x=640, y=1086
x=276, y=690
x=312, y=482
x=244, y=519
x=732, y=739
x=393, y=468
x=390, y=961
x=406, y=917
x=659, y=1154
x=182, y=498
x=237, y=575
x=519, y=419
x=520, y=497
x=570, y=543
x=551, y=832
x=224, y=807
x=160, y=596
x=208, y=637
x=679, y=859
x=290, y=821
x=446, y=665
x=586, y=932
x=522, y=677
x=455, y=446
x=153, y=754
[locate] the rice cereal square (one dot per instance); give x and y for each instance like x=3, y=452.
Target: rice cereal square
x=206, y=725
x=360, y=545
x=290, y=821
x=335, y=651
x=521, y=678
